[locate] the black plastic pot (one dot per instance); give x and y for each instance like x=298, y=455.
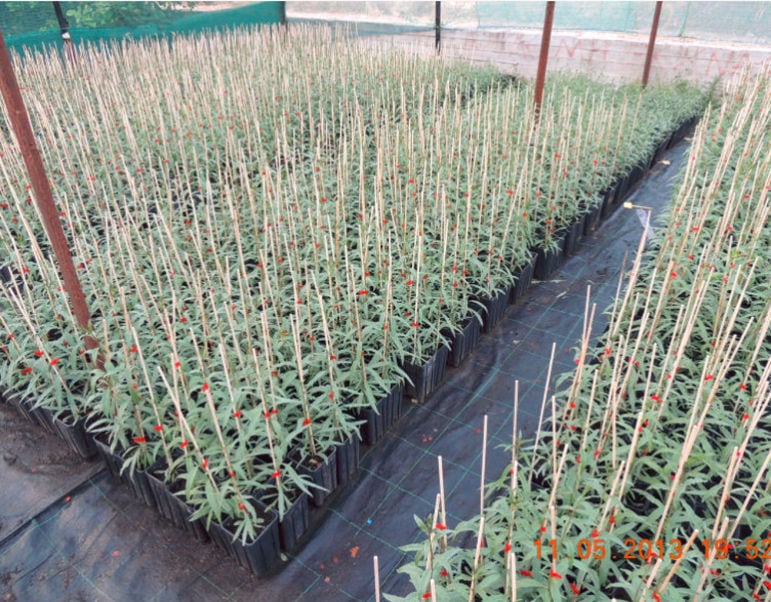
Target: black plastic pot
x=522, y=281
x=464, y=342
x=26, y=408
x=294, y=524
x=74, y=433
x=609, y=201
x=377, y=420
x=347, y=460
x=573, y=236
x=494, y=310
x=172, y=507
x=592, y=219
x=635, y=175
x=259, y=555
x=323, y=474
x=137, y=480
x=547, y=262
x=427, y=376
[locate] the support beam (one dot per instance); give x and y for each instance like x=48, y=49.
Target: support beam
x=651, y=43
x=41, y=188
x=548, y=20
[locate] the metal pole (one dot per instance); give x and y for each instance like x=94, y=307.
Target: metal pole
x=651, y=43
x=437, y=24
x=545, y=41
x=282, y=9
x=64, y=26
x=19, y=118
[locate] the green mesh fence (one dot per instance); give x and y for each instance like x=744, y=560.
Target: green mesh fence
x=743, y=22
x=34, y=24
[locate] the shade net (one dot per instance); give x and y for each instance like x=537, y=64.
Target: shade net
x=742, y=22
x=34, y=25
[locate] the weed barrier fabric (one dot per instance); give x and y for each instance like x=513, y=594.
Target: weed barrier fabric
x=68, y=531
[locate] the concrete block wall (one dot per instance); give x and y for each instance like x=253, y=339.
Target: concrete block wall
x=615, y=57
x=698, y=41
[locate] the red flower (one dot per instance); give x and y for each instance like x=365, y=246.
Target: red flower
x=673, y=274
x=656, y=597
x=205, y=387
x=575, y=588
x=525, y=573
x=205, y=463
x=745, y=416
x=54, y=361
x=656, y=398
x=441, y=527
x=595, y=533
x=276, y=474
x=237, y=414
x=133, y=349
x=241, y=506
x=743, y=387
x=415, y=324
x=363, y=292
x=158, y=427
x=140, y=439
x=183, y=445
x=427, y=596
x=444, y=573
x=410, y=282
x=709, y=377
x=555, y=574
x=307, y=421
x=38, y=353
x=543, y=528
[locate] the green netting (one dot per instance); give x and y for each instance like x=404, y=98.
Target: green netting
x=747, y=22
x=34, y=24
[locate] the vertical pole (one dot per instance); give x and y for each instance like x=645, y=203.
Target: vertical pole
x=651, y=43
x=282, y=9
x=437, y=24
x=548, y=20
x=64, y=26
x=19, y=118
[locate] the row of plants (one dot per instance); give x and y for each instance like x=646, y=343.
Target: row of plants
x=651, y=479
x=269, y=252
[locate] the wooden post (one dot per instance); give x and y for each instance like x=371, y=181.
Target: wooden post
x=544, y=56
x=437, y=24
x=651, y=43
x=41, y=188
